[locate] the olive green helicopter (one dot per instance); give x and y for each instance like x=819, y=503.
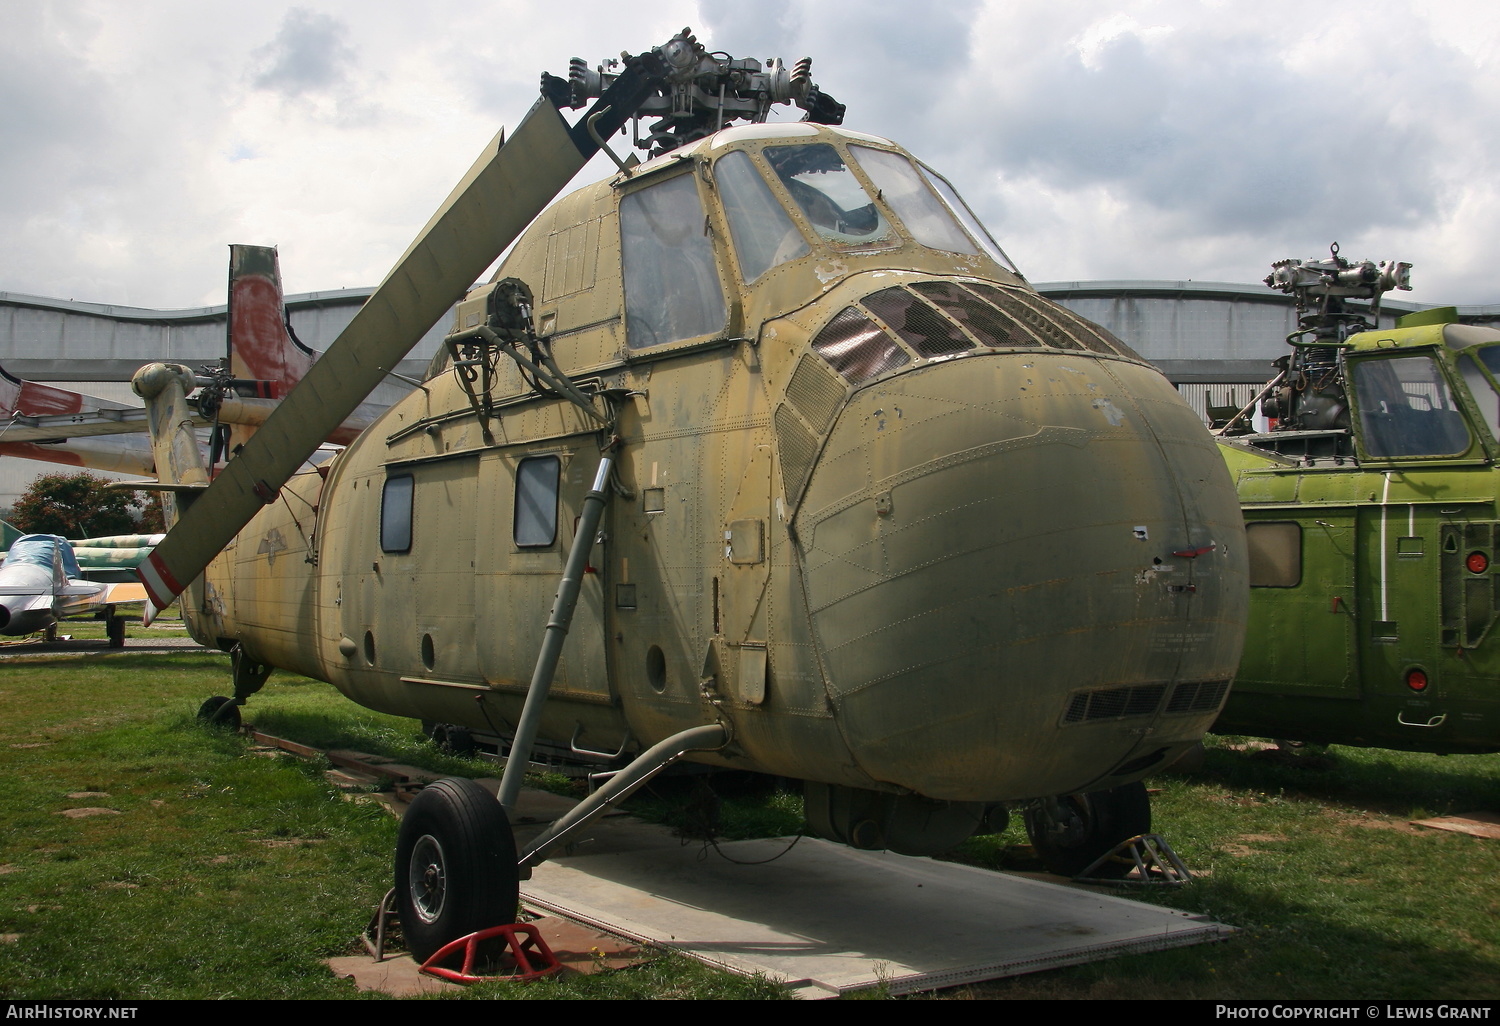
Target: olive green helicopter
x=770, y=431
x=1371, y=520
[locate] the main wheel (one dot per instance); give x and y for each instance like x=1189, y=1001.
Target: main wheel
x=456, y=867
x=219, y=711
x=1070, y=833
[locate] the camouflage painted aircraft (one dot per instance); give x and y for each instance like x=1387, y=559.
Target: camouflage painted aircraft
x=41, y=583
x=1370, y=510
x=770, y=430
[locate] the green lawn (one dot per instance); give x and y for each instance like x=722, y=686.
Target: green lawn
x=221, y=873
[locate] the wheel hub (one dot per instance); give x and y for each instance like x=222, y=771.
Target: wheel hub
x=428, y=876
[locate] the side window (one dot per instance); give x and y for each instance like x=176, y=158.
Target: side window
x=395, y=514
x=1407, y=409
x=536, y=502
x=672, y=289
x=1275, y=554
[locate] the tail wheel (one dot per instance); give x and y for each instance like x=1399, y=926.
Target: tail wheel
x=1071, y=832
x=220, y=711
x=456, y=869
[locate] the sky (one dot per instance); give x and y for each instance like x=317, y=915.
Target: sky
x=1155, y=139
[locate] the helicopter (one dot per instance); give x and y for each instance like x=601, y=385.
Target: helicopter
x=1370, y=509
x=769, y=430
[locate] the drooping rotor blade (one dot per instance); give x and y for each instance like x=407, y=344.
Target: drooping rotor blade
x=508, y=186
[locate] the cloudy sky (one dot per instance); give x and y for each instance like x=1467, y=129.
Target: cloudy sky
x=1171, y=139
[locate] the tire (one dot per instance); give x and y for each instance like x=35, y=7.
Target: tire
x=1077, y=829
x=456, y=867
x=214, y=714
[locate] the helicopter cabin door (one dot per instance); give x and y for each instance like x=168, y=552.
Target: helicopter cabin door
x=533, y=499
x=1302, y=564
x=410, y=607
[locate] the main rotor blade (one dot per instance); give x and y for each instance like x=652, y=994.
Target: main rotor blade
x=508, y=186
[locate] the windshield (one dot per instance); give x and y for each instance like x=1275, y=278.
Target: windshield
x=38, y=550
x=928, y=220
x=828, y=194
x=763, y=234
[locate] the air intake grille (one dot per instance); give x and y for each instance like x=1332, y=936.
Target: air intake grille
x=857, y=347
x=815, y=393
x=1198, y=696
x=919, y=325
x=1115, y=703
x=984, y=322
x=797, y=448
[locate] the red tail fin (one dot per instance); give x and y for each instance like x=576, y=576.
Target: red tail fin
x=261, y=347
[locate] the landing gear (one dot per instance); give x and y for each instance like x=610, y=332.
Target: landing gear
x=456, y=869
x=114, y=630
x=220, y=711
x=455, y=740
x=1071, y=832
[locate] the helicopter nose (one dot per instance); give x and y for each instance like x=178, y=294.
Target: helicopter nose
x=994, y=554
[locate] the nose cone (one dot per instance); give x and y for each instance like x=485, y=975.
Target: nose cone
x=1026, y=573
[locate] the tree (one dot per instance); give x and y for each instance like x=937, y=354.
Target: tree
x=75, y=506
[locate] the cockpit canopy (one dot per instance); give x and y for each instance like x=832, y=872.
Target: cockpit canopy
x=40, y=550
x=835, y=195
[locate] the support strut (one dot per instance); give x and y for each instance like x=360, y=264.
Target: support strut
x=557, y=632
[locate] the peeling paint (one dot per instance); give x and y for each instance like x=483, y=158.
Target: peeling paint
x=826, y=273
x=1111, y=412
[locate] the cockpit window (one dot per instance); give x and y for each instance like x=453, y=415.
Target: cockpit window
x=1482, y=386
x=1407, y=409
x=966, y=217
x=828, y=194
x=928, y=220
x=763, y=234
x=672, y=289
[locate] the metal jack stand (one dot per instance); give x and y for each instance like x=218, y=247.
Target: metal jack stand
x=374, y=935
x=1153, y=859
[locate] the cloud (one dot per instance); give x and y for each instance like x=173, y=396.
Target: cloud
x=309, y=54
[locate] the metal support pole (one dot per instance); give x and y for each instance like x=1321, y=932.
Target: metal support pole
x=557, y=633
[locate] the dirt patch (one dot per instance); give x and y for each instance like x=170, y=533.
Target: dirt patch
x=120, y=885
x=9, y=867
x=1261, y=838
x=1379, y=823
x=287, y=842
x=89, y=794
x=81, y=813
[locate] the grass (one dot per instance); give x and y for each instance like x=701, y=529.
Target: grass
x=215, y=873
x=1336, y=894
x=221, y=874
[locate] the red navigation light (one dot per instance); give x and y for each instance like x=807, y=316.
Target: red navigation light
x=1477, y=562
x=1416, y=679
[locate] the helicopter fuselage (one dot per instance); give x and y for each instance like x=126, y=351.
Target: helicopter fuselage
x=897, y=522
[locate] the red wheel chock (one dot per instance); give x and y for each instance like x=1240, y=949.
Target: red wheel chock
x=530, y=953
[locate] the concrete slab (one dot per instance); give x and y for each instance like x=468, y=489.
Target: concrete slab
x=827, y=919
